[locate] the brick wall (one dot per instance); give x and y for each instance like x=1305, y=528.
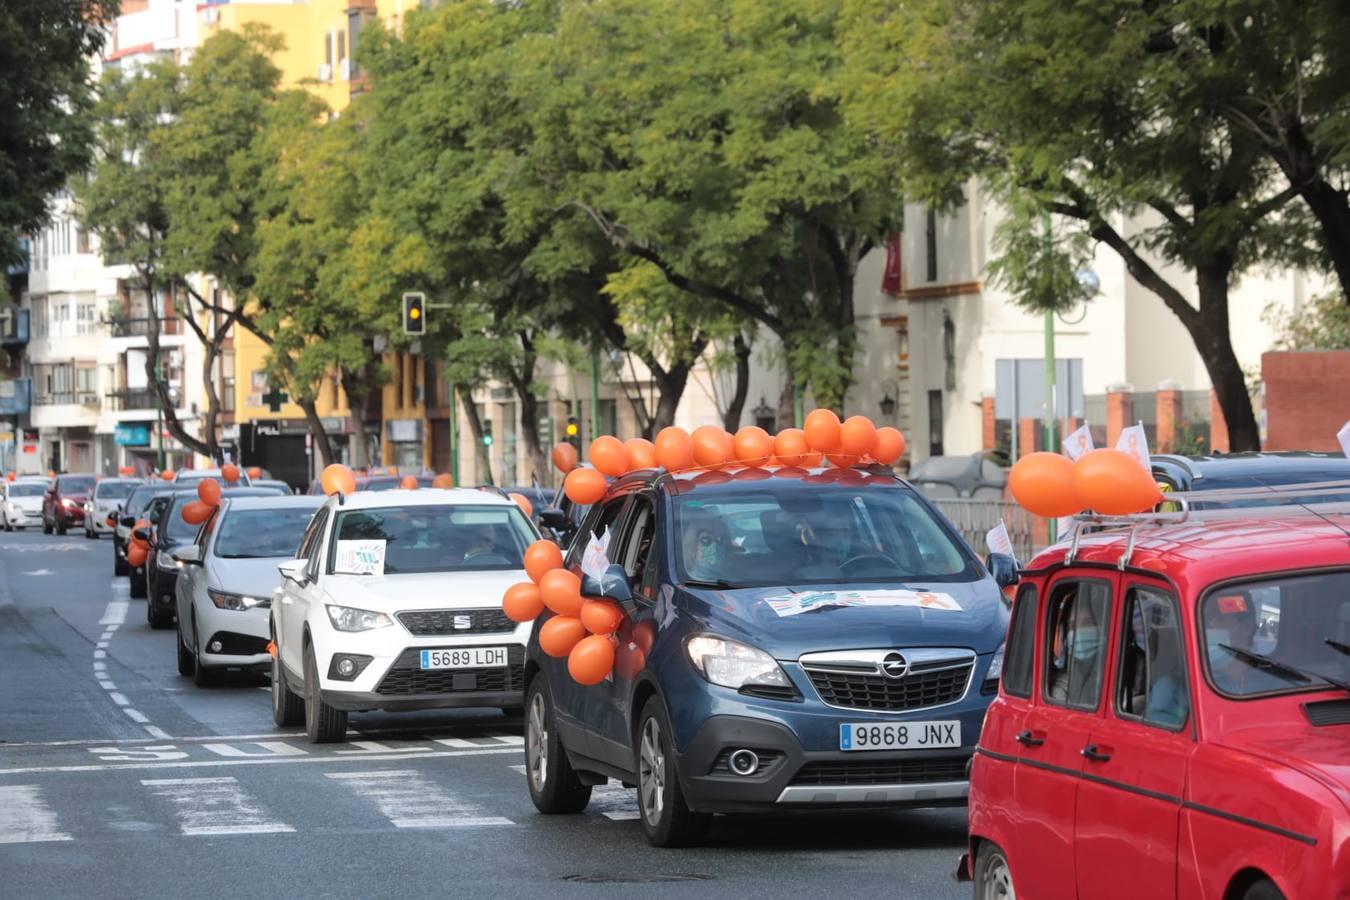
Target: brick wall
x=1307, y=398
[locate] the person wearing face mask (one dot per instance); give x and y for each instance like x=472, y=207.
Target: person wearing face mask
x=1077, y=682
x=705, y=546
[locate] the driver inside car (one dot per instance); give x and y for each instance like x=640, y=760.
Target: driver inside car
x=705, y=549
x=1230, y=621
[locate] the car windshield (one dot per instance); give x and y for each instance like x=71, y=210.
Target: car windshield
x=253, y=533
x=177, y=529
x=27, y=490
x=380, y=484
x=1300, y=621
x=114, y=490
x=139, y=498
x=449, y=538
x=75, y=484
x=831, y=534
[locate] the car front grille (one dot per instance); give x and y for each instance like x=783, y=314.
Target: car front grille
x=867, y=771
x=406, y=676
x=932, y=685
x=456, y=621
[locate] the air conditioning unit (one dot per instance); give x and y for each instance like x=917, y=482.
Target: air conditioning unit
x=325, y=72
x=345, y=69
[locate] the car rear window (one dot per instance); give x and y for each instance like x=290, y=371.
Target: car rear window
x=75, y=484
x=254, y=533
x=139, y=498
x=114, y=490
x=27, y=490
x=442, y=538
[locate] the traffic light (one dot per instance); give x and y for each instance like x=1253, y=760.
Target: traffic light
x=573, y=432
x=414, y=314
x=487, y=432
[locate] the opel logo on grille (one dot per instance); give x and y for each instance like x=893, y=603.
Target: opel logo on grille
x=894, y=666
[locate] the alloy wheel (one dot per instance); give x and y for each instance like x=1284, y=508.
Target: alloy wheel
x=997, y=883
x=651, y=772
x=536, y=743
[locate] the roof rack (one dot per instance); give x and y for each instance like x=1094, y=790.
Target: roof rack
x=1232, y=503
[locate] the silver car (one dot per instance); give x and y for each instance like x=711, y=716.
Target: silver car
x=224, y=590
x=108, y=496
x=21, y=503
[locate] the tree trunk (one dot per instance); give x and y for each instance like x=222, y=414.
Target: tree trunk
x=1301, y=164
x=161, y=390
x=670, y=385
x=480, y=450
x=322, y=446
x=356, y=405
x=1212, y=339
x=523, y=382
x=787, y=397
x=732, y=420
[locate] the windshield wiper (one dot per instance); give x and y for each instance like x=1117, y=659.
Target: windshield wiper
x=715, y=583
x=1259, y=661
x=1343, y=649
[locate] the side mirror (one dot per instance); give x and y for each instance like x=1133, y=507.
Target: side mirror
x=127, y=521
x=294, y=570
x=613, y=584
x=551, y=517
x=191, y=554
x=112, y=520
x=1003, y=568
x=142, y=534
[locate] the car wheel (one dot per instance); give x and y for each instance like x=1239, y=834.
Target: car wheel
x=993, y=877
x=323, y=723
x=187, y=663
x=287, y=708
x=554, y=786
x=1263, y=890
x=202, y=675
x=666, y=818
x=137, y=582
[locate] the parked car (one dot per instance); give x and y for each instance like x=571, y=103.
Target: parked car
x=1172, y=719
x=138, y=576
x=21, y=503
x=130, y=511
x=63, y=505
x=394, y=603
x=190, y=477
x=171, y=531
x=272, y=483
x=225, y=583
x=793, y=643
x=974, y=477
x=1252, y=470
x=108, y=495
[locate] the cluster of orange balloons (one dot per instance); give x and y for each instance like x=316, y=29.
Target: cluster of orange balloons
x=208, y=498
x=1108, y=482
x=137, y=549
x=823, y=437
x=583, y=629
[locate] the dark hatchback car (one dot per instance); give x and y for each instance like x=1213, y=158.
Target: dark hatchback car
x=63, y=504
x=1252, y=471
x=808, y=642
x=168, y=532
x=133, y=509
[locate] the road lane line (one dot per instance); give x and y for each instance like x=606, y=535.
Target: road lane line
x=119, y=699
x=156, y=732
x=100, y=667
x=214, y=806
x=100, y=653
x=226, y=738
x=106, y=684
x=25, y=817
x=115, y=614
x=364, y=747
x=409, y=800
x=269, y=748
x=251, y=761
x=136, y=716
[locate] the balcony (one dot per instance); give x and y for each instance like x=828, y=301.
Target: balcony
x=67, y=398
x=138, y=399
x=121, y=328
x=13, y=327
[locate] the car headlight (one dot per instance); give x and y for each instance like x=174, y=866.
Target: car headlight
x=164, y=560
x=237, y=602
x=996, y=664
x=733, y=664
x=346, y=618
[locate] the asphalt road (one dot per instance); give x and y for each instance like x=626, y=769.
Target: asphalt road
x=120, y=778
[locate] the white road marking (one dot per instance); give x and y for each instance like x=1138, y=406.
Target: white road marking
x=214, y=806
x=101, y=645
x=156, y=732
x=115, y=614
x=136, y=716
x=100, y=654
x=269, y=748
x=465, y=743
x=180, y=762
x=106, y=684
x=25, y=817
x=39, y=572
x=119, y=699
x=100, y=666
x=410, y=801
x=377, y=747
x=612, y=800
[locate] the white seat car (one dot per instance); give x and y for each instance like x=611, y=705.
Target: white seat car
x=224, y=589
x=21, y=503
x=395, y=604
x=190, y=477
x=108, y=496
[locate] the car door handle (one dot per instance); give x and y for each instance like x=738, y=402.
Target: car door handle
x=1092, y=753
x=1029, y=739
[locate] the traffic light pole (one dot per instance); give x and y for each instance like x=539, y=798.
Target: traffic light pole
x=595, y=391
x=454, y=434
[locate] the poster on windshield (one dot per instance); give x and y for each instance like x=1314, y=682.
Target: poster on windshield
x=359, y=558
x=810, y=601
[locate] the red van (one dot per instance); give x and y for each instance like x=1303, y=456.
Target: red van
x=1173, y=718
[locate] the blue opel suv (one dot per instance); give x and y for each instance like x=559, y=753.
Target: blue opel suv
x=794, y=639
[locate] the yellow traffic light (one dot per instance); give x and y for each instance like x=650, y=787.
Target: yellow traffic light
x=414, y=313
x=572, y=429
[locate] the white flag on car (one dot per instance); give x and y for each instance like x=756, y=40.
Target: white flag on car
x=1344, y=437
x=1078, y=443
x=1134, y=441
x=998, y=540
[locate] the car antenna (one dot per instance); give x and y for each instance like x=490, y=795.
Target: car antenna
x=342, y=498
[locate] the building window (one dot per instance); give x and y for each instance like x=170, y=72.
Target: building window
x=81, y=241
x=86, y=319
x=930, y=244
x=949, y=350
x=39, y=323
x=935, y=423
x=341, y=46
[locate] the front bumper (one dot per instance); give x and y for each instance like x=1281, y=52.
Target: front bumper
x=20, y=518
x=789, y=776
x=70, y=515
x=242, y=634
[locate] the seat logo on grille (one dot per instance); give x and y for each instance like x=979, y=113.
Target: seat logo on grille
x=894, y=666
x=463, y=622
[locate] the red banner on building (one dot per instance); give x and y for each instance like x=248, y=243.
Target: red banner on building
x=890, y=282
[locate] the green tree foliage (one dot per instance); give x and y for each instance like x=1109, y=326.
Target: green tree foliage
x=45, y=100
x=1324, y=324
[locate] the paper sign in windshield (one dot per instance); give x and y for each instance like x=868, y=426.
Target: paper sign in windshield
x=595, y=560
x=808, y=601
x=359, y=558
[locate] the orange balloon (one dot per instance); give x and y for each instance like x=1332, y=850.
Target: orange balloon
x=254, y=472
x=167, y=475
x=561, y=591
x=790, y=446
x=609, y=455
x=542, y=557
x=136, y=552
x=408, y=483
x=523, y=502
x=890, y=445
x=1043, y=484
x=10, y=476
x=753, y=446
x=842, y=460
x=822, y=430
x=753, y=473
x=601, y=616
x=443, y=481
x=230, y=472
x=522, y=602
x=564, y=457
x=208, y=491
x=858, y=435
x=124, y=470
x=560, y=634
x=196, y=512
x=337, y=478
x=674, y=449
x=712, y=446
x=591, y=659
x=641, y=453
x=584, y=486
x=1113, y=483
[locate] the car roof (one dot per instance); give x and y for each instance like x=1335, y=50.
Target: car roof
x=121, y=480
x=1203, y=473
x=286, y=501
x=228, y=491
x=422, y=497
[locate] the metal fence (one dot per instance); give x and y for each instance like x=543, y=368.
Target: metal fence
x=974, y=518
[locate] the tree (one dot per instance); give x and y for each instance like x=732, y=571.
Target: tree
x=1323, y=325
x=1070, y=111
x=45, y=101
